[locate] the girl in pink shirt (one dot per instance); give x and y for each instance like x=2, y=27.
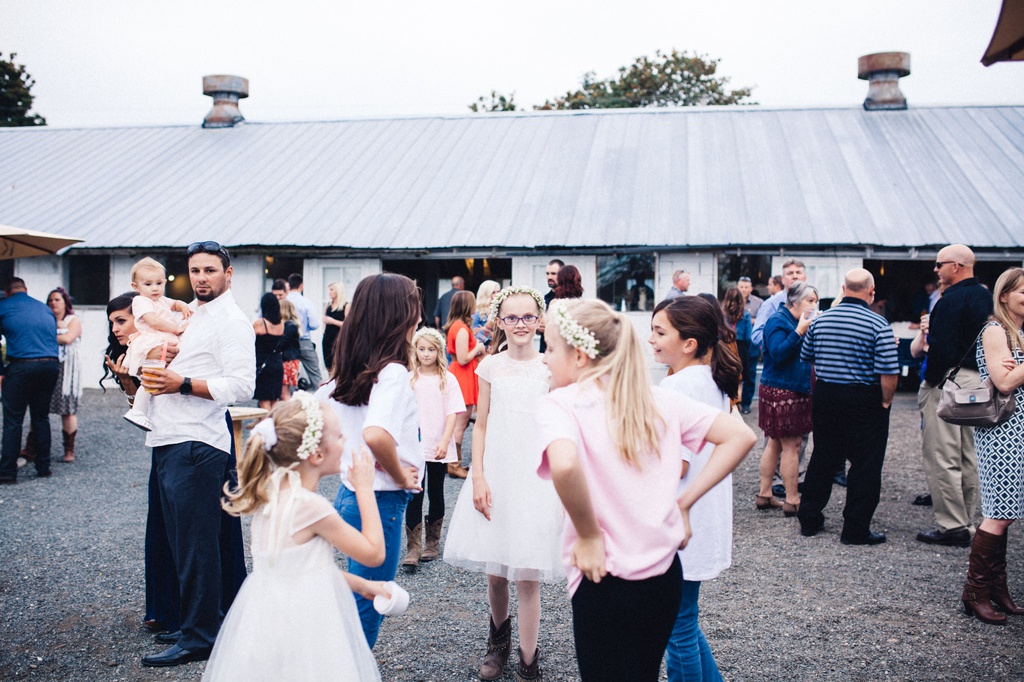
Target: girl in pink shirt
x=439, y=400
x=613, y=446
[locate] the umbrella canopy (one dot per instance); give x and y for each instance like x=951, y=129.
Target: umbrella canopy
x=19, y=243
x=1008, y=40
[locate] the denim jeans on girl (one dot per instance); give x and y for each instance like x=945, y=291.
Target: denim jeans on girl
x=688, y=657
x=391, y=504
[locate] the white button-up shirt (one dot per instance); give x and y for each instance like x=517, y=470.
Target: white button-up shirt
x=219, y=346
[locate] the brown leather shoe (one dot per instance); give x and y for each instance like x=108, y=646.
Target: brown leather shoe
x=432, y=548
x=455, y=470
x=414, y=539
x=976, y=595
x=531, y=672
x=499, y=646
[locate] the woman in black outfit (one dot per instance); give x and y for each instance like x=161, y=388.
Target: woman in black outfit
x=269, y=362
x=334, y=317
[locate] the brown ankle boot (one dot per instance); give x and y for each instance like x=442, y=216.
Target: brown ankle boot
x=499, y=646
x=432, y=548
x=976, y=595
x=999, y=592
x=412, y=552
x=455, y=469
x=528, y=673
x=69, y=446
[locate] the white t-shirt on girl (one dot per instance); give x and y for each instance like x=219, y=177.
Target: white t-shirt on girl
x=635, y=507
x=435, y=408
x=709, y=551
x=392, y=407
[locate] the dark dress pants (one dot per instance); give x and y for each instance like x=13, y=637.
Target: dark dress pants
x=850, y=424
x=27, y=386
x=163, y=602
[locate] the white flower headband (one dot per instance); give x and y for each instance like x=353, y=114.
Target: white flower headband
x=505, y=293
x=432, y=333
x=575, y=334
x=310, y=436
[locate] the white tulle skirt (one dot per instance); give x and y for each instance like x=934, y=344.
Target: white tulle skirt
x=293, y=620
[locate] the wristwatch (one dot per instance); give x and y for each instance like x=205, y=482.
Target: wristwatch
x=186, y=386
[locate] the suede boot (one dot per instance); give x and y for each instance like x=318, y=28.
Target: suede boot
x=499, y=646
x=69, y=446
x=414, y=543
x=531, y=672
x=999, y=592
x=432, y=549
x=976, y=595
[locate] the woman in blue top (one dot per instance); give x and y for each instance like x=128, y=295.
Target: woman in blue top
x=785, y=395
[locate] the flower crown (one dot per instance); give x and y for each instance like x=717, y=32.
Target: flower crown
x=505, y=293
x=314, y=430
x=575, y=334
x=432, y=333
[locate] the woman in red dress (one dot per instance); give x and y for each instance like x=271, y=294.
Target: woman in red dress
x=465, y=352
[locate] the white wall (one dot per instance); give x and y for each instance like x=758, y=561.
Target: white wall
x=703, y=269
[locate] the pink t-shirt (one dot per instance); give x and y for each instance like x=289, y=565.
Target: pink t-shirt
x=434, y=410
x=635, y=507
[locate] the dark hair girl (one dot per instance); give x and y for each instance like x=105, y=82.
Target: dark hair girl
x=697, y=318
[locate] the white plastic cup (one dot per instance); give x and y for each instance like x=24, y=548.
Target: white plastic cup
x=395, y=606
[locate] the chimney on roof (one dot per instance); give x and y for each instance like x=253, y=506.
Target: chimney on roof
x=883, y=71
x=225, y=91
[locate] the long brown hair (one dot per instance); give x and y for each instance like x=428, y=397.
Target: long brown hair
x=733, y=305
x=462, y=308
x=569, y=283
x=1007, y=282
x=384, y=309
x=694, y=317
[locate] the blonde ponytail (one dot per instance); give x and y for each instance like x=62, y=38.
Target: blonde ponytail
x=633, y=417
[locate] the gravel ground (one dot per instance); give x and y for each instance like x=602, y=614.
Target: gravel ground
x=790, y=608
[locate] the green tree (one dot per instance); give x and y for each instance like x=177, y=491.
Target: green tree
x=666, y=80
x=16, y=96
x=494, y=102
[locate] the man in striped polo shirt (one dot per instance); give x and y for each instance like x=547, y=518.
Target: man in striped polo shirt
x=854, y=355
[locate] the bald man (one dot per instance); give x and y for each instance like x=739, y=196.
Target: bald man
x=856, y=364
x=444, y=303
x=948, y=450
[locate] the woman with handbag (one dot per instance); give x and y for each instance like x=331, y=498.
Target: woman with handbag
x=269, y=365
x=1000, y=448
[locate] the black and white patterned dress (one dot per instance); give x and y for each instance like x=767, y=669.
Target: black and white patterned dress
x=1001, y=453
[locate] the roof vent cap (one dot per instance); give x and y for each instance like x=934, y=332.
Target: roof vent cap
x=225, y=91
x=883, y=71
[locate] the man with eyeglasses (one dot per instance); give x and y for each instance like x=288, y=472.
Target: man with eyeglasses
x=948, y=450
x=215, y=367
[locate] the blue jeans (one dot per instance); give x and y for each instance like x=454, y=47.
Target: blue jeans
x=688, y=657
x=391, y=504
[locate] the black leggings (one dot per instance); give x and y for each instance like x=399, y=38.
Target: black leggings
x=622, y=627
x=434, y=486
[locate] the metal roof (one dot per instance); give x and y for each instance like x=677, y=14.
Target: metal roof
x=688, y=177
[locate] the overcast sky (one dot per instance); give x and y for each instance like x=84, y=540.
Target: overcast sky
x=141, y=62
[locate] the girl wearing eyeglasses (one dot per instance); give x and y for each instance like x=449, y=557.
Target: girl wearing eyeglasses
x=507, y=521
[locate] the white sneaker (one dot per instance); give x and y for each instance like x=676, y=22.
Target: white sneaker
x=139, y=419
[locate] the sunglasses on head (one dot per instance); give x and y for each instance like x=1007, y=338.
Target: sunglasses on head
x=205, y=247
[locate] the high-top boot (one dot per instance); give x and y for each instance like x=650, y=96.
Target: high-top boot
x=69, y=446
x=455, y=469
x=999, y=592
x=415, y=542
x=976, y=595
x=531, y=672
x=28, y=453
x=432, y=549
x=499, y=646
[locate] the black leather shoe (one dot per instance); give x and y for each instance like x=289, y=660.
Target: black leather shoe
x=175, y=656
x=922, y=500
x=44, y=474
x=949, y=538
x=168, y=637
x=840, y=478
x=8, y=481
x=869, y=539
x=809, y=530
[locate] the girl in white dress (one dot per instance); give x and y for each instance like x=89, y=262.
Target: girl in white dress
x=507, y=521
x=295, y=617
x=439, y=400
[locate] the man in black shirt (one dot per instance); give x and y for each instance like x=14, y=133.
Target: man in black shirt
x=948, y=452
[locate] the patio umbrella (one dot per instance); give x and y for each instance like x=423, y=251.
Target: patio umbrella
x=1008, y=39
x=19, y=243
